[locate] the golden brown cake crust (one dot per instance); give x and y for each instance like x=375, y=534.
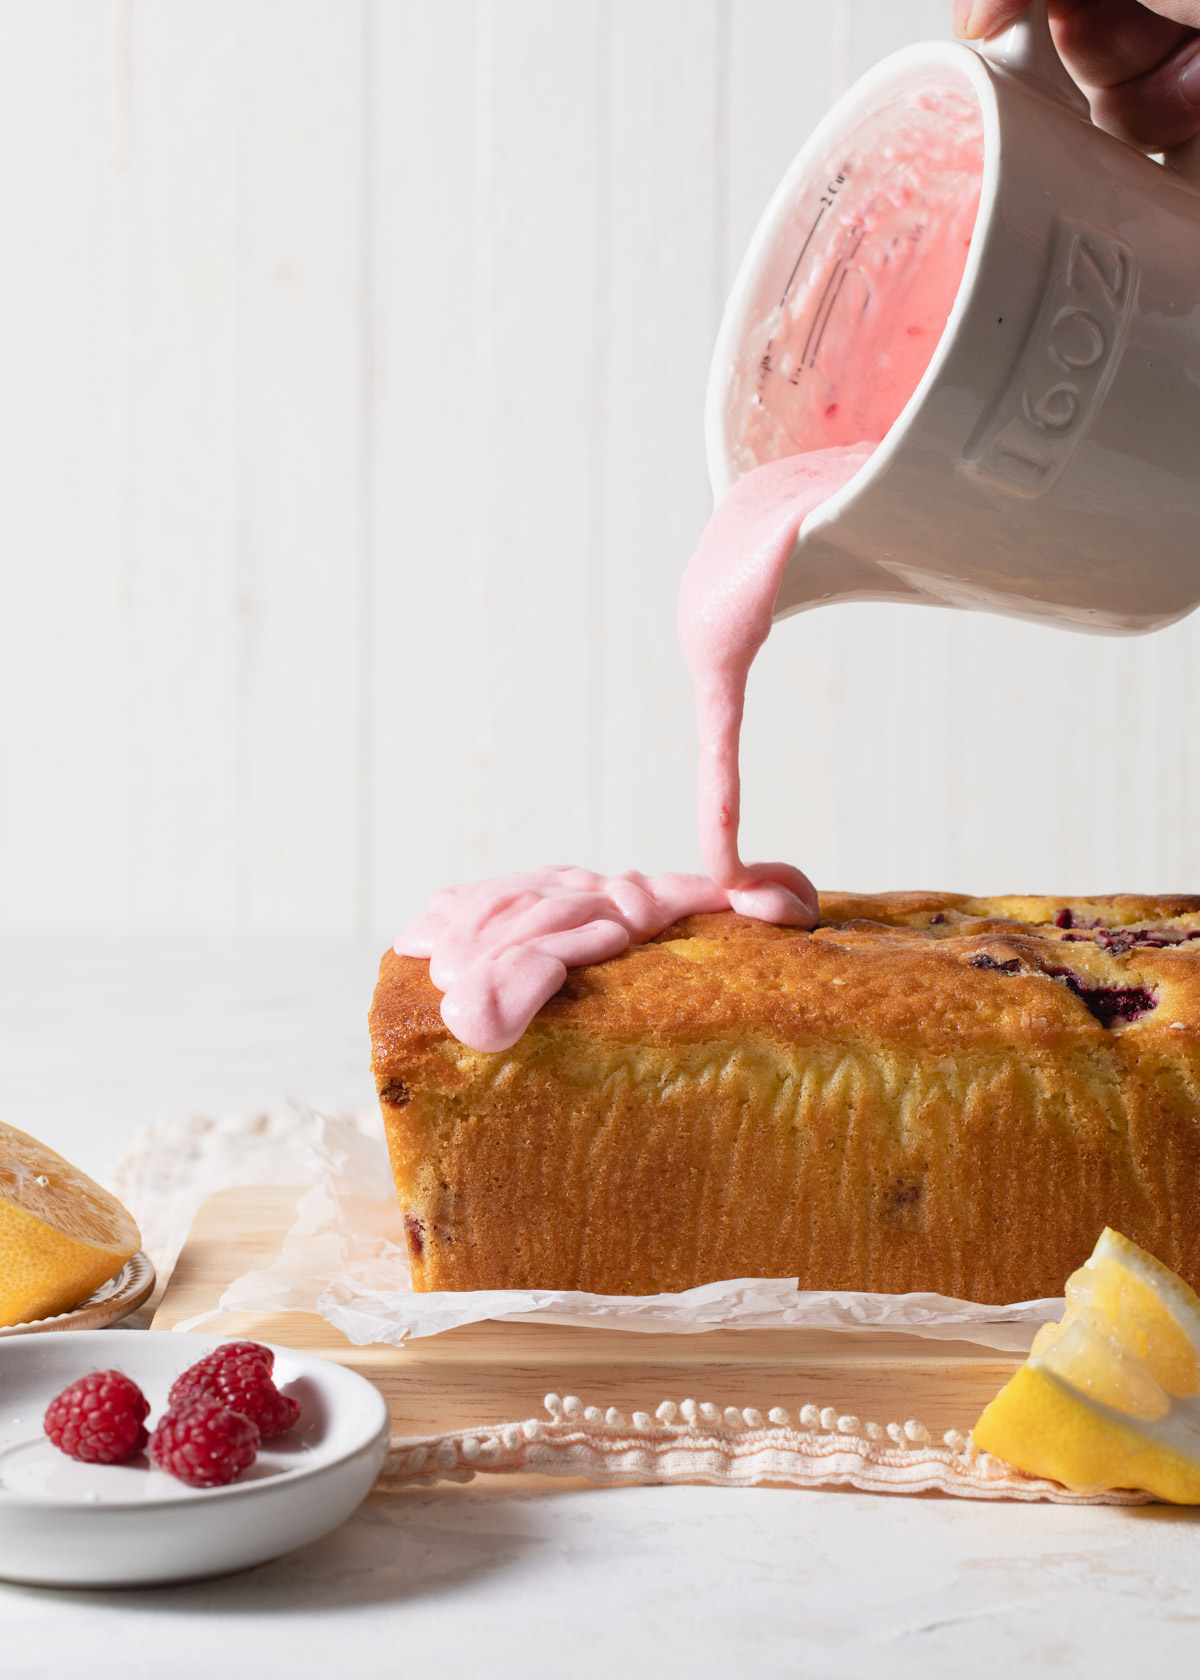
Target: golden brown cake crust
x=929, y=1091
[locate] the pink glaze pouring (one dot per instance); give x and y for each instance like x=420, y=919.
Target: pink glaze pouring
x=499, y=949
x=725, y=607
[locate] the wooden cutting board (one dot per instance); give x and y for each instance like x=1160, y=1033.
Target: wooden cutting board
x=493, y=1373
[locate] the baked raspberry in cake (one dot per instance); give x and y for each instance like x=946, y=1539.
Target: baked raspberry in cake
x=926, y=1092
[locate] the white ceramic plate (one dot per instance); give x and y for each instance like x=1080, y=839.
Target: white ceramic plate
x=122, y=1294
x=63, y=1523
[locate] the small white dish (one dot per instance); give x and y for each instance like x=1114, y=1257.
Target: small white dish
x=124, y=1293
x=63, y=1523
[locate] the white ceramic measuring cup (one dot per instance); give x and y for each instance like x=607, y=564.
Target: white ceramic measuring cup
x=1047, y=465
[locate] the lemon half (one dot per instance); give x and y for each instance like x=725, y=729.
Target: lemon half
x=61, y=1235
x=1109, y=1397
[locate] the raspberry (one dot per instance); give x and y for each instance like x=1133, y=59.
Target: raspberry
x=239, y=1375
x=228, y=1350
x=204, y=1443
x=99, y=1419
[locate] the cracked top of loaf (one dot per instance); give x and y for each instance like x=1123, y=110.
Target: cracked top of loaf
x=942, y=971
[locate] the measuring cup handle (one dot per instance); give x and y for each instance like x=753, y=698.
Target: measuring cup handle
x=1027, y=48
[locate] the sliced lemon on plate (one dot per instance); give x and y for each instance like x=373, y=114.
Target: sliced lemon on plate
x=1109, y=1397
x=61, y=1235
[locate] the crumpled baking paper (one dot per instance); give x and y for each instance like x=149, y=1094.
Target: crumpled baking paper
x=346, y=1259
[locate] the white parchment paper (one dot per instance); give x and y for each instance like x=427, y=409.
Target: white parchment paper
x=346, y=1259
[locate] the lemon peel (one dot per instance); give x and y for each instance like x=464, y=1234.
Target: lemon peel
x=61, y=1234
x=1109, y=1397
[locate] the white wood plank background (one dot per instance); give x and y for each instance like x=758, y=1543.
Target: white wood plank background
x=352, y=355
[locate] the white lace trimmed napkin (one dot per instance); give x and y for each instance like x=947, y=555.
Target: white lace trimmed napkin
x=730, y=1448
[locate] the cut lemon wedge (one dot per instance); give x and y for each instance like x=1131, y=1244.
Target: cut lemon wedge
x=61, y=1235
x=1110, y=1397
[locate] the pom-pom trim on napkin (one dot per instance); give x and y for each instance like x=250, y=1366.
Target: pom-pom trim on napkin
x=700, y=1442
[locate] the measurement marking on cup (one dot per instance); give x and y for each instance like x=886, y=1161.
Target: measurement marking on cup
x=1067, y=365
x=796, y=265
x=766, y=366
x=851, y=240
x=826, y=201
x=841, y=281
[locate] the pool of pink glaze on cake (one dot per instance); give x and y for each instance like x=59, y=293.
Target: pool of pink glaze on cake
x=500, y=949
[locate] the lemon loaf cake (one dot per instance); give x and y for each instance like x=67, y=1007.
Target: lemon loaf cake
x=926, y=1092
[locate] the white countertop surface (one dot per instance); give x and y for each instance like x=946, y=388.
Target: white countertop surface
x=98, y=1039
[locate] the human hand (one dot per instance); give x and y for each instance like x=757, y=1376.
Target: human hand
x=1139, y=64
